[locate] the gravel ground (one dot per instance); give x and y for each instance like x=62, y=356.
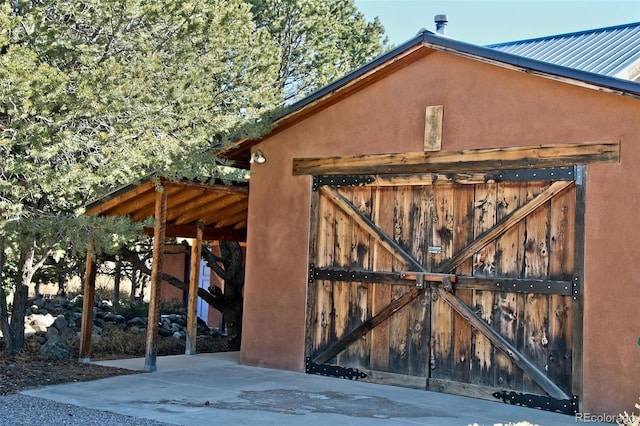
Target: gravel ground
x=19, y=410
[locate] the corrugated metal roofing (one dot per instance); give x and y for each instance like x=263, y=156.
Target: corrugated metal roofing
x=609, y=51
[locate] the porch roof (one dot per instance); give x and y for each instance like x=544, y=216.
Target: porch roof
x=221, y=208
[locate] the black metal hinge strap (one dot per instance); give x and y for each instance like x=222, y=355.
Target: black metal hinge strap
x=333, y=370
x=564, y=406
x=530, y=175
x=343, y=180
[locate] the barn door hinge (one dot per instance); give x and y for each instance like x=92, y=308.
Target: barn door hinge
x=547, y=403
x=344, y=180
x=333, y=370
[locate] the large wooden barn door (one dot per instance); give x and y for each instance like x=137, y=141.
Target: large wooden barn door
x=461, y=283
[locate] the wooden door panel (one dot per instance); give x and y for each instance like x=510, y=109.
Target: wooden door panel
x=382, y=214
x=480, y=334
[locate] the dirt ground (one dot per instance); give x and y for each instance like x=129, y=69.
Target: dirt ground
x=28, y=370
x=25, y=371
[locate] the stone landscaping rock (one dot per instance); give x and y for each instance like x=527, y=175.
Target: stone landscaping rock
x=61, y=322
x=56, y=347
x=51, y=321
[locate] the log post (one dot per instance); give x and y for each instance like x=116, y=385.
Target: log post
x=194, y=278
x=86, y=327
x=156, y=278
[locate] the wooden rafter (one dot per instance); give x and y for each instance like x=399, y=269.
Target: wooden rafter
x=222, y=209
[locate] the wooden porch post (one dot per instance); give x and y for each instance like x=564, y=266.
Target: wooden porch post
x=87, y=307
x=194, y=278
x=156, y=278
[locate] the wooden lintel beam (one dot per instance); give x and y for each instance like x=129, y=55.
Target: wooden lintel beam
x=543, y=156
x=209, y=233
x=207, y=187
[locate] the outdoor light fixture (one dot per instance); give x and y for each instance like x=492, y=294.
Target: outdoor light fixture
x=257, y=157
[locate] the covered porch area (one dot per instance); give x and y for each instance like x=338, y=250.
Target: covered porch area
x=200, y=211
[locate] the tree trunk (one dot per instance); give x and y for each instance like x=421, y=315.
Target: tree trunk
x=233, y=284
x=4, y=313
x=14, y=339
x=116, y=282
x=134, y=282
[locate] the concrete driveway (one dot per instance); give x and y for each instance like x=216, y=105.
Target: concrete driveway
x=208, y=389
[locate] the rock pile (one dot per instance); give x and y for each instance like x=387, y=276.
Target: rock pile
x=53, y=322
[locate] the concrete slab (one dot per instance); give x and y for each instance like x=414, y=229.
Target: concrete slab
x=209, y=389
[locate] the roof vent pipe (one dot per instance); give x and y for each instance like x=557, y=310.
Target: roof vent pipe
x=441, y=23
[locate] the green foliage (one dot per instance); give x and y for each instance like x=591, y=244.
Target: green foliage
x=319, y=40
x=95, y=94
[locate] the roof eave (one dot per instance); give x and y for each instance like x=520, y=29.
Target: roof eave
x=435, y=42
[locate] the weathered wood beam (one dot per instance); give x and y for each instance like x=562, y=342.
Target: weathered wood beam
x=228, y=215
x=156, y=279
x=86, y=327
x=207, y=187
x=201, y=203
x=514, y=285
x=209, y=233
x=433, y=128
x=192, y=305
x=215, y=205
x=471, y=160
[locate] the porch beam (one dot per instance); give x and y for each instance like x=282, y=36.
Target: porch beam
x=471, y=160
x=209, y=233
x=86, y=326
x=194, y=279
x=156, y=278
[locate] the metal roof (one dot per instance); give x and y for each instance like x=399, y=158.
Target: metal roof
x=611, y=51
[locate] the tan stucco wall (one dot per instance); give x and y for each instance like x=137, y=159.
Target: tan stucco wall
x=484, y=106
x=174, y=264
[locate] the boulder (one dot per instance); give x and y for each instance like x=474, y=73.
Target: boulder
x=61, y=322
x=56, y=347
x=41, y=320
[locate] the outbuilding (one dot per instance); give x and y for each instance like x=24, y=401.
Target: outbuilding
x=454, y=218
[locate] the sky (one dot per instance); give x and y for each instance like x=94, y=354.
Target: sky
x=486, y=22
